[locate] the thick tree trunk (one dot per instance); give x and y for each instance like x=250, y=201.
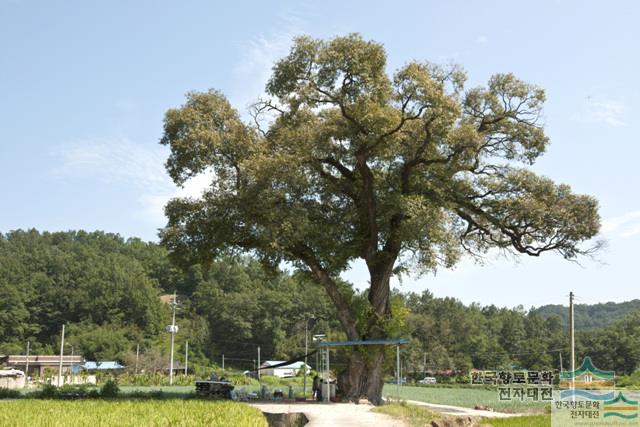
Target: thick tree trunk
x=364, y=376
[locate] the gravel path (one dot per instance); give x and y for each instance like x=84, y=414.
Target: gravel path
x=333, y=414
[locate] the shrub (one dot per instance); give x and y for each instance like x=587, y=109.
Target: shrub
x=6, y=393
x=48, y=391
x=83, y=391
x=632, y=380
x=109, y=389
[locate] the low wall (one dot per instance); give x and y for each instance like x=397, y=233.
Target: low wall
x=72, y=379
x=12, y=382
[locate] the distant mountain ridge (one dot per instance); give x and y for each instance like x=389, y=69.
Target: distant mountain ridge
x=590, y=316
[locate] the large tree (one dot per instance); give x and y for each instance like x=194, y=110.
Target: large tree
x=343, y=162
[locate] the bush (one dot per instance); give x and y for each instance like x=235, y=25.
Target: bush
x=153, y=379
x=76, y=392
x=6, y=393
x=109, y=389
x=66, y=392
x=241, y=379
x=48, y=391
x=632, y=380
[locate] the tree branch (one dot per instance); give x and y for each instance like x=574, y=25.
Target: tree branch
x=306, y=255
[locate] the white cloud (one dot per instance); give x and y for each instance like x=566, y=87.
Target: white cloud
x=257, y=58
x=626, y=225
x=125, y=163
x=482, y=39
x=607, y=112
x=115, y=160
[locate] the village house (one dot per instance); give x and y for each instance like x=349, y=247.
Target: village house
x=271, y=367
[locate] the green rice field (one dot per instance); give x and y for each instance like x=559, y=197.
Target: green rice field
x=125, y=413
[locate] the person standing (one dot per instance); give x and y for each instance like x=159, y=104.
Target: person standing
x=315, y=388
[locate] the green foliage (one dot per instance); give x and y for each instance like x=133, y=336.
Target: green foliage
x=630, y=381
x=47, y=391
x=155, y=379
x=71, y=392
x=89, y=280
x=230, y=307
x=354, y=163
x=7, y=393
x=283, y=383
x=589, y=317
x=456, y=338
x=66, y=392
x=109, y=389
x=235, y=305
x=344, y=162
x=617, y=346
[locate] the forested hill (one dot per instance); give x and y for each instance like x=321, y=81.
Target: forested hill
x=107, y=290
x=589, y=317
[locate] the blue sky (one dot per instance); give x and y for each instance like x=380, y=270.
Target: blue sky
x=84, y=86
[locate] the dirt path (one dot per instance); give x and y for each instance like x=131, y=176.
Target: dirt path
x=349, y=414
x=461, y=411
x=333, y=414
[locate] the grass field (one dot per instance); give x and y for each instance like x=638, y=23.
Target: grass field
x=412, y=415
x=466, y=397
x=418, y=416
x=533, y=421
x=105, y=413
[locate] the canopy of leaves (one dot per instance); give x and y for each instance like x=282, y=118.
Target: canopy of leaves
x=345, y=161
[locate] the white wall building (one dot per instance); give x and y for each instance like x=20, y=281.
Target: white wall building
x=290, y=370
x=11, y=378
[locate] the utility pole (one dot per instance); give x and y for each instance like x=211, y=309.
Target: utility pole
x=73, y=374
x=223, y=362
x=258, y=363
x=186, y=357
x=61, y=354
x=424, y=364
x=573, y=342
x=398, y=373
x=173, y=333
x=560, y=354
x=137, y=356
x=26, y=369
x=306, y=350
x=327, y=398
